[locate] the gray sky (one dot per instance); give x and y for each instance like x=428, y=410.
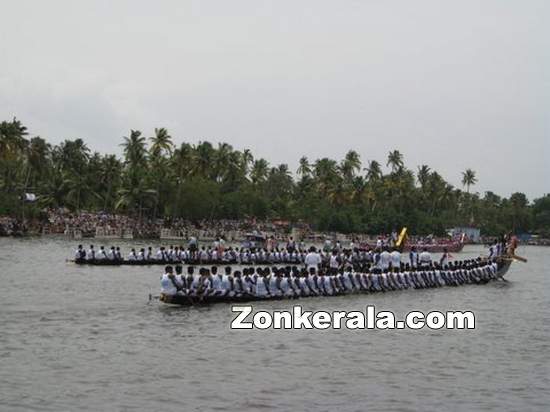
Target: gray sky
x=450, y=84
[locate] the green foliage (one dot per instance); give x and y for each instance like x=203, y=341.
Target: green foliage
x=156, y=179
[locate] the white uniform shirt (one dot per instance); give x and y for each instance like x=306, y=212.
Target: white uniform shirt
x=313, y=260
x=395, y=259
x=384, y=261
x=425, y=258
x=166, y=286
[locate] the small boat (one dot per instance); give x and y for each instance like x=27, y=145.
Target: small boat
x=186, y=300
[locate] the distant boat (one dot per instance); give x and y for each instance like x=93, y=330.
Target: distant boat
x=254, y=240
x=438, y=246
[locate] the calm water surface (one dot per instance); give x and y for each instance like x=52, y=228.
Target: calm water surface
x=85, y=338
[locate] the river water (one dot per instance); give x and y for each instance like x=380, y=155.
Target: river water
x=86, y=338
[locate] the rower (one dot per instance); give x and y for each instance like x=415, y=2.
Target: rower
x=311, y=281
x=312, y=260
x=132, y=256
x=425, y=258
x=384, y=260
x=112, y=254
x=149, y=255
x=161, y=254
x=205, y=283
x=203, y=256
x=238, y=285
x=395, y=259
x=261, y=289
x=192, y=281
x=227, y=282
x=180, y=279
x=91, y=253
x=445, y=257
x=413, y=257
x=102, y=254
x=347, y=280
x=141, y=255
x=217, y=282
x=334, y=262
x=80, y=253
x=168, y=285
x=193, y=246
x=275, y=282
x=287, y=286
x=328, y=285
x=118, y=255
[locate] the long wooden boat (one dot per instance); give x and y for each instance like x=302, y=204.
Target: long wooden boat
x=156, y=262
x=185, y=300
x=124, y=262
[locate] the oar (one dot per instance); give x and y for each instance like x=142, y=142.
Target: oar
x=514, y=257
x=521, y=259
x=151, y=297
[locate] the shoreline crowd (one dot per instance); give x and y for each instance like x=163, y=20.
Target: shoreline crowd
x=106, y=225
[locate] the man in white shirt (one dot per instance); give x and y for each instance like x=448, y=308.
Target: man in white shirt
x=91, y=253
x=168, y=284
x=334, y=262
x=102, y=254
x=395, y=258
x=80, y=253
x=161, y=254
x=312, y=260
x=425, y=258
x=384, y=260
x=132, y=256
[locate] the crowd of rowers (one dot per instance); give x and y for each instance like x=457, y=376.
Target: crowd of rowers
x=380, y=257
x=313, y=280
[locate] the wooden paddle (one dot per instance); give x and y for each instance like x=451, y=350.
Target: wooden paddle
x=521, y=259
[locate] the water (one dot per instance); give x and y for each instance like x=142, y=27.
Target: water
x=77, y=337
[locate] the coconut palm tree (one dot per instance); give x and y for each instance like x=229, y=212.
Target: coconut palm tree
x=423, y=175
x=110, y=172
x=304, y=168
x=12, y=138
x=247, y=159
x=135, y=149
x=374, y=171
x=38, y=159
x=468, y=179
x=395, y=161
x=181, y=162
x=350, y=165
x=161, y=143
x=259, y=171
x=203, y=158
x=326, y=175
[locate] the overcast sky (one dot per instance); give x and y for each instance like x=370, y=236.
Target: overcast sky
x=455, y=85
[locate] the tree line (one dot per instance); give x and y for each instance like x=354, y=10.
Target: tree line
x=154, y=178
